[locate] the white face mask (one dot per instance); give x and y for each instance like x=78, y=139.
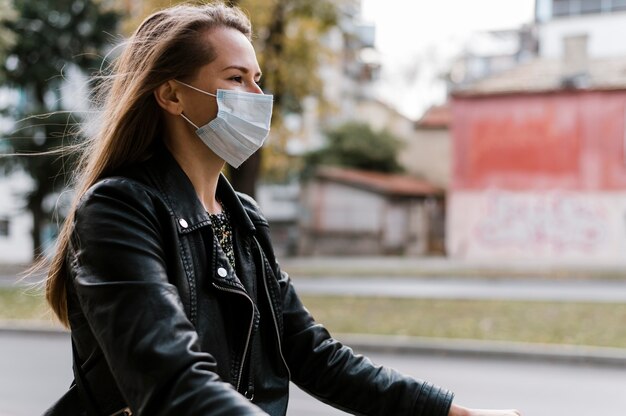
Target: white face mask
x=241, y=126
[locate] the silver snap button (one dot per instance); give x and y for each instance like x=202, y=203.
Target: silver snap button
x=222, y=272
x=183, y=223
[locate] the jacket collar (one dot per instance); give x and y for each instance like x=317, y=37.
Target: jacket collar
x=181, y=196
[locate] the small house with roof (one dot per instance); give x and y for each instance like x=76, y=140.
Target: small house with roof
x=354, y=212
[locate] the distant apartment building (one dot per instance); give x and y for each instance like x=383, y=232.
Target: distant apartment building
x=488, y=53
x=347, y=69
x=562, y=23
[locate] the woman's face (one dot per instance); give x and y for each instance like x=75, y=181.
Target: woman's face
x=235, y=68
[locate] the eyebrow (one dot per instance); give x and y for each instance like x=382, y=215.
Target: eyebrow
x=242, y=69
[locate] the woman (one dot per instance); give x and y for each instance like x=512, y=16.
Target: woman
x=166, y=276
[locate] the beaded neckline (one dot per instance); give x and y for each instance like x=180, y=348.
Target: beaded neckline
x=223, y=231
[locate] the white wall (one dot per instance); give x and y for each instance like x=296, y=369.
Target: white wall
x=17, y=247
x=606, y=34
x=349, y=209
x=380, y=116
x=427, y=154
x=557, y=226
x=279, y=202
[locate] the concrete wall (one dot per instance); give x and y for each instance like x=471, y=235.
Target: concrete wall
x=340, y=220
x=545, y=225
x=339, y=208
x=427, y=154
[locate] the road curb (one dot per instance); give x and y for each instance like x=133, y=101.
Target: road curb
x=34, y=328
x=614, y=357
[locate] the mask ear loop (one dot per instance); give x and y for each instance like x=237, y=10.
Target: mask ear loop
x=189, y=121
x=197, y=89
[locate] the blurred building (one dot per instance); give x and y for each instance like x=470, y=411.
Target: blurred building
x=347, y=70
x=426, y=143
x=16, y=243
x=539, y=166
x=487, y=53
x=16, y=224
x=428, y=151
x=564, y=24
x=352, y=212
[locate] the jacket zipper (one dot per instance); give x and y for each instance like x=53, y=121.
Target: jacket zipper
x=245, y=349
x=269, y=299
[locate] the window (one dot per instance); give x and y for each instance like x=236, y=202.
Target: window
x=561, y=7
x=618, y=5
x=577, y=7
x=4, y=227
x=591, y=6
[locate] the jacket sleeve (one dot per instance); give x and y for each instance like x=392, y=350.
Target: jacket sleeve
x=336, y=375
x=120, y=276
x=333, y=373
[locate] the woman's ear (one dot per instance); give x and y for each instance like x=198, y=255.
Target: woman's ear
x=167, y=95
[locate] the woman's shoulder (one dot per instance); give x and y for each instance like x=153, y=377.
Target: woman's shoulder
x=128, y=182
x=115, y=206
x=116, y=191
x=124, y=186
x=252, y=208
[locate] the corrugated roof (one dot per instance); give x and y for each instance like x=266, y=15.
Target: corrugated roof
x=436, y=117
x=542, y=75
x=384, y=183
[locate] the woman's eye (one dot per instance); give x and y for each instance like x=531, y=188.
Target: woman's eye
x=237, y=79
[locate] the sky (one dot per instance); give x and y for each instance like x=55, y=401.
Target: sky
x=416, y=38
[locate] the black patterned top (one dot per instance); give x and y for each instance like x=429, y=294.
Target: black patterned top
x=224, y=233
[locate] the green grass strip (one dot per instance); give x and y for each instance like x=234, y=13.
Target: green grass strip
x=18, y=303
x=594, y=324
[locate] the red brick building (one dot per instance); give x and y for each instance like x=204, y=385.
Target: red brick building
x=539, y=164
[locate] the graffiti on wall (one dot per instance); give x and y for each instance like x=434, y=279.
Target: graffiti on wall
x=554, y=220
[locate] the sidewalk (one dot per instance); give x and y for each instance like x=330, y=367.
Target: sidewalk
x=448, y=267
x=457, y=288
x=432, y=266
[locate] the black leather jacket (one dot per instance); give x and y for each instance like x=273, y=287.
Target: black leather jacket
x=154, y=298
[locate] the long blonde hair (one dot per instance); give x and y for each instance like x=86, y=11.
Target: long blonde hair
x=169, y=44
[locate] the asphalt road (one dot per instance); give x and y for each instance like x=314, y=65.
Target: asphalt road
x=35, y=370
